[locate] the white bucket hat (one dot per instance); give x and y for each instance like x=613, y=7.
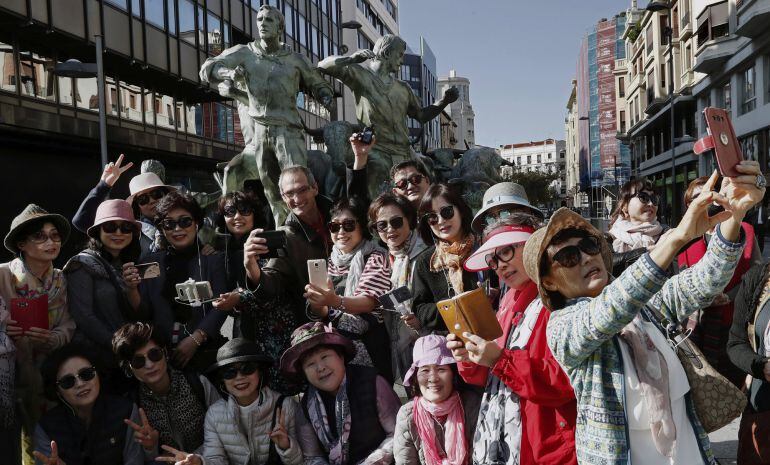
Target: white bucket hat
x=503, y=194
x=144, y=182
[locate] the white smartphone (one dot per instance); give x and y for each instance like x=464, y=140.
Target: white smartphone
x=318, y=274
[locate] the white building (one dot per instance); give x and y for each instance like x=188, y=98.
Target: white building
x=461, y=110
x=574, y=197
x=545, y=156
x=377, y=18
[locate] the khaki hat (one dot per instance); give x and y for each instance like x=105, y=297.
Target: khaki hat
x=31, y=213
x=536, y=246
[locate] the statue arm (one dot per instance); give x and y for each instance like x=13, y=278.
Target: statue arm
x=425, y=114
x=222, y=66
x=337, y=65
x=315, y=84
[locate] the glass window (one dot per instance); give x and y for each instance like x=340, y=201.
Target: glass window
x=7, y=68
x=724, y=98
x=36, y=77
x=179, y=116
x=171, y=17
x=132, y=102
x=334, y=10
x=118, y=3
x=289, y=15
x=201, y=27
x=136, y=7
x=230, y=126
x=302, y=35
x=86, y=97
x=164, y=111
x=153, y=13
x=65, y=90
x=750, y=147
x=214, y=34
x=194, y=116
x=111, y=103
x=187, y=21
x=219, y=122
x=748, y=90
x=149, y=107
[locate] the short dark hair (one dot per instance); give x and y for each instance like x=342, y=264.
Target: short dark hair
x=239, y=198
x=50, y=368
x=336, y=348
x=133, y=336
x=399, y=201
x=355, y=206
x=453, y=195
x=627, y=192
x=174, y=200
x=416, y=164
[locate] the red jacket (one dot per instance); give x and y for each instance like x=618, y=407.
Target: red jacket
x=548, y=406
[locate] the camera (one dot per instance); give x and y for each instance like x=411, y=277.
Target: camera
x=394, y=300
x=194, y=293
x=366, y=135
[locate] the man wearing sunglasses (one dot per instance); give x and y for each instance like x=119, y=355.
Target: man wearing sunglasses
x=410, y=180
x=527, y=393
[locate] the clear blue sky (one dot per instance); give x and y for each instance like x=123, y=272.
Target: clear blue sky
x=520, y=57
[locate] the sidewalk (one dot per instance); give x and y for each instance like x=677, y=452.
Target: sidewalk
x=724, y=442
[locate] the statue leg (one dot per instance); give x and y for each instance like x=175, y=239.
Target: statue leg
x=378, y=172
x=269, y=170
x=241, y=168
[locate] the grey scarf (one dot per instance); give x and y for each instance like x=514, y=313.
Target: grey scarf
x=354, y=262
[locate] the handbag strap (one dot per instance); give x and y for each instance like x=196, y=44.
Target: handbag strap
x=674, y=333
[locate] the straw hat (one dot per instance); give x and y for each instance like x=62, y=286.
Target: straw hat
x=536, y=246
x=31, y=213
x=112, y=210
x=503, y=194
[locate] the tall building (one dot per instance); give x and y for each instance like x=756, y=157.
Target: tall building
x=604, y=161
x=375, y=18
x=575, y=198
x=419, y=71
x=461, y=110
x=545, y=156
x=156, y=105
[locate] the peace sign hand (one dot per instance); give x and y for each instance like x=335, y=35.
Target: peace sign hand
x=145, y=434
x=53, y=459
x=112, y=171
x=279, y=435
x=178, y=457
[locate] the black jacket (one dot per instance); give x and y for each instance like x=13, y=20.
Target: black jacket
x=738, y=346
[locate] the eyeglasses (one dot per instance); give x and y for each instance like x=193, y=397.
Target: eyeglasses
x=347, y=225
x=447, y=212
x=230, y=210
x=68, y=381
x=396, y=223
x=414, y=180
x=501, y=254
x=570, y=255
x=155, y=194
x=245, y=369
x=41, y=237
x=296, y=192
x=155, y=355
x=646, y=197
x=111, y=226
x=183, y=222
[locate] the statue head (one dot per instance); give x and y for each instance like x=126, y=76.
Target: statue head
x=270, y=22
x=390, y=50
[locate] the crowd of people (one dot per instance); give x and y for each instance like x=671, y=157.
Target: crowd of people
x=120, y=357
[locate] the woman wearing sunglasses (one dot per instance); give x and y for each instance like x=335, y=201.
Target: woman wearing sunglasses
x=87, y=426
x=528, y=409
x=193, y=331
x=394, y=219
x=172, y=403
x=359, y=273
x=634, y=224
x=445, y=225
x=30, y=281
x=602, y=331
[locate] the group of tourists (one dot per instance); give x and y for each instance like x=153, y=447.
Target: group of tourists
x=120, y=357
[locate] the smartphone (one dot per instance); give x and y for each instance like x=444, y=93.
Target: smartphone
x=276, y=243
x=727, y=151
x=366, y=135
x=148, y=270
x=317, y=273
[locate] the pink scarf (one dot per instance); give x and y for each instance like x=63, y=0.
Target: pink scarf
x=426, y=414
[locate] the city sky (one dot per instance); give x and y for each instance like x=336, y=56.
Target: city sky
x=520, y=57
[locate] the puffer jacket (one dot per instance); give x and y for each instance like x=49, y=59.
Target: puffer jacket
x=407, y=445
x=224, y=441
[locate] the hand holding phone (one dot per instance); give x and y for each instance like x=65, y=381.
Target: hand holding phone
x=148, y=270
x=722, y=140
x=317, y=273
x=275, y=241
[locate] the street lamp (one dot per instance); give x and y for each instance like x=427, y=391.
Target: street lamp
x=76, y=69
x=657, y=6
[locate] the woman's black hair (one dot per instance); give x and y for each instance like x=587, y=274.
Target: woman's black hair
x=56, y=359
x=399, y=201
x=239, y=198
x=453, y=195
x=177, y=200
x=338, y=349
x=355, y=206
x=627, y=192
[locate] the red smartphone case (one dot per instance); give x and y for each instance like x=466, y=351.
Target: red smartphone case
x=30, y=313
x=722, y=140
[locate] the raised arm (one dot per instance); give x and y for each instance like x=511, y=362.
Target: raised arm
x=425, y=114
x=336, y=65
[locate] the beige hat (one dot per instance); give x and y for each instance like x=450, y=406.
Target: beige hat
x=144, y=182
x=503, y=194
x=536, y=246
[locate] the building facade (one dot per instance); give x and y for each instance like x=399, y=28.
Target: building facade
x=461, y=110
x=156, y=105
x=574, y=196
x=419, y=71
x=544, y=156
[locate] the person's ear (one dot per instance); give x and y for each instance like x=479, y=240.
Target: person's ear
x=548, y=283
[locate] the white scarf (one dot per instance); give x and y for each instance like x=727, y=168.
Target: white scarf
x=629, y=236
x=402, y=259
x=354, y=262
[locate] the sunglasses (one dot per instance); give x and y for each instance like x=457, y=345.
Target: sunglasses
x=155, y=194
x=68, y=381
x=502, y=254
x=570, y=255
x=296, y=192
x=40, y=237
x=112, y=226
x=245, y=369
x=155, y=355
x=347, y=225
x=646, y=197
x=414, y=180
x=447, y=212
x=230, y=210
x=183, y=222
x=396, y=223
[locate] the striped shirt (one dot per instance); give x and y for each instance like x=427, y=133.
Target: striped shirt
x=374, y=281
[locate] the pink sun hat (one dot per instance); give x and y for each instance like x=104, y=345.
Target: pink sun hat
x=428, y=350
x=112, y=210
x=500, y=237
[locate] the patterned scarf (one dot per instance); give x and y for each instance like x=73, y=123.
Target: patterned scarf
x=426, y=413
x=450, y=257
x=629, y=236
x=354, y=262
x=180, y=409
x=51, y=284
x=338, y=448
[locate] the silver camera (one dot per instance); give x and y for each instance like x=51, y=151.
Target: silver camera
x=194, y=293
